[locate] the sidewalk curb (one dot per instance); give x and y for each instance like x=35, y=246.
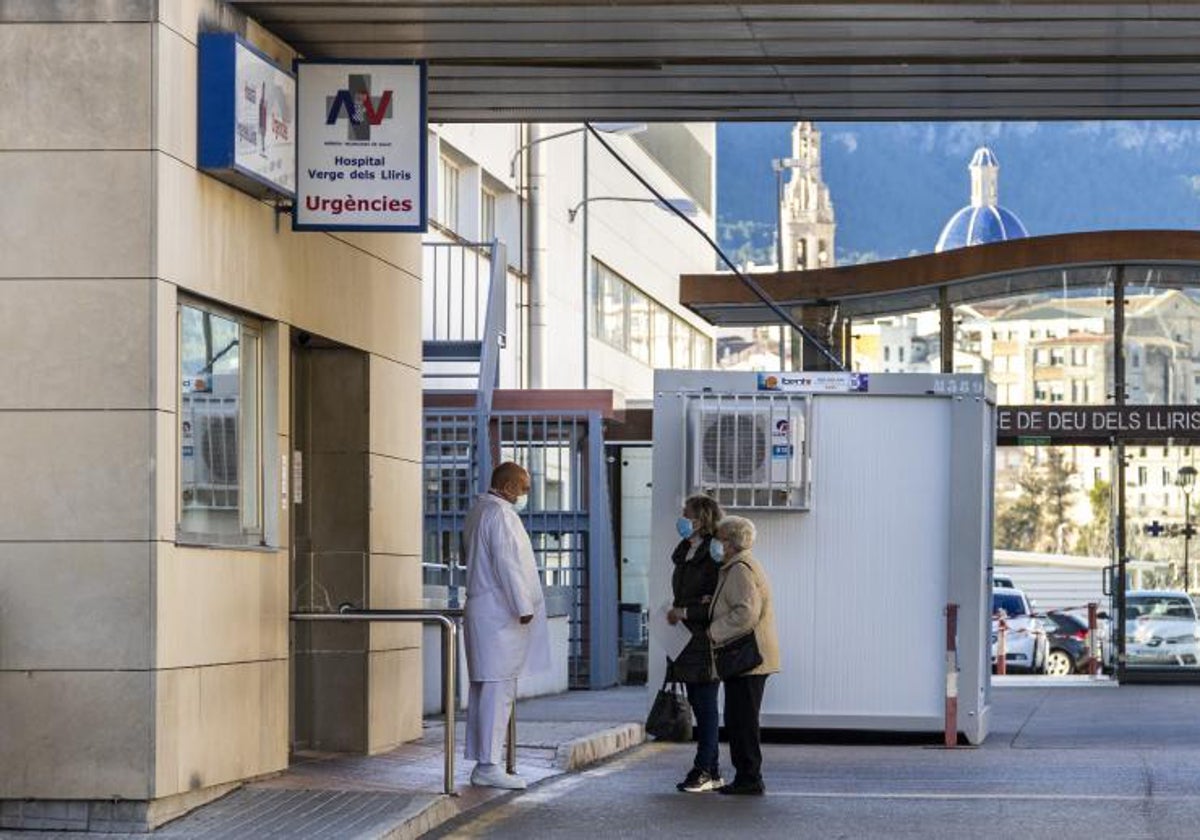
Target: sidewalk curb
x=598, y=746
x=427, y=817
x=570, y=756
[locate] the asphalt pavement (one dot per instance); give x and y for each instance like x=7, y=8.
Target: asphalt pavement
x=1062, y=762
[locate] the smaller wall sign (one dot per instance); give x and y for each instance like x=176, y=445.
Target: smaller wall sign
x=247, y=117
x=809, y=383
x=781, y=439
x=360, y=163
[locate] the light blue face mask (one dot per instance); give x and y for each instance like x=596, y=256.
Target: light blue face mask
x=717, y=550
x=684, y=526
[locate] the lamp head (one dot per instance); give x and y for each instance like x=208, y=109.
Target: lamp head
x=684, y=205
x=620, y=128
x=1186, y=478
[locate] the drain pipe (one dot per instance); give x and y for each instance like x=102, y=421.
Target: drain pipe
x=538, y=238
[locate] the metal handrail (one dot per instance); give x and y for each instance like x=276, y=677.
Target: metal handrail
x=445, y=617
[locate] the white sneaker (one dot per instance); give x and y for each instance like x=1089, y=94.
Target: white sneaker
x=493, y=775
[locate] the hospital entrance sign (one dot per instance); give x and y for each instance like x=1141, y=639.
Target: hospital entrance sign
x=361, y=146
x=1034, y=425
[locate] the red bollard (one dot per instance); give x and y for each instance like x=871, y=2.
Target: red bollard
x=951, y=733
x=1002, y=646
x=1092, y=641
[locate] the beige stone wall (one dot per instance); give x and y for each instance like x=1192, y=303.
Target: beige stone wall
x=78, y=416
x=131, y=667
x=362, y=290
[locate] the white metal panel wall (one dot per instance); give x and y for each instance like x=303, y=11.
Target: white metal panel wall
x=860, y=581
x=899, y=525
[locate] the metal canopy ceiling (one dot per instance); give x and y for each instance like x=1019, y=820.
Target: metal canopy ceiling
x=673, y=60
x=978, y=272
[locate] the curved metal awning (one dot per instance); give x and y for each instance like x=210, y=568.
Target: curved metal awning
x=674, y=60
x=980, y=272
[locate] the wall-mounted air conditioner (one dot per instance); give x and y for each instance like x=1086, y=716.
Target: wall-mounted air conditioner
x=750, y=452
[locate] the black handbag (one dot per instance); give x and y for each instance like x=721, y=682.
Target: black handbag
x=670, y=717
x=738, y=656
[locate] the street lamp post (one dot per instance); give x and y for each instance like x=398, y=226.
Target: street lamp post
x=1186, y=480
x=607, y=128
x=537, y=237
x=781, y=165
x=683, y=205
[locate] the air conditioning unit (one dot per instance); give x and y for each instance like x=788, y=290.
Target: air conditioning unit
x=209, y=451
x=750, y=453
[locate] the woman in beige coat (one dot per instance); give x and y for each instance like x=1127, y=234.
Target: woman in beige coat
x=741, y=605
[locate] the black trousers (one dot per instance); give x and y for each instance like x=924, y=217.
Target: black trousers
x=743, y=699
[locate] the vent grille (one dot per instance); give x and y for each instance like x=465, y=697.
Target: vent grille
x=735, y=449
x=749, y=451
x=219, y=448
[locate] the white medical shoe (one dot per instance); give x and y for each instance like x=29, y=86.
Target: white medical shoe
x=493, y=775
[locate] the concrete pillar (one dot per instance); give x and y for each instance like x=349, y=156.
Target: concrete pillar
x=538, y=263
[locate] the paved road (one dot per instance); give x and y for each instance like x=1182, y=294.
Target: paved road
x=1095, y=764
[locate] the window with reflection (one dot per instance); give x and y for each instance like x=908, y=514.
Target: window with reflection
x=220, y=430
x=681, y=340
x=660, y=328
x=630, y=320
x=610, y=303
x=1162, y=334
x=1045, y=337
x=639, y=326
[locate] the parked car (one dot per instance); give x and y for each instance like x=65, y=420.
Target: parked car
x=1104, y=633
x=1026, y=646
x=1003, y=582
x=1068, y=640
x=1161, y=628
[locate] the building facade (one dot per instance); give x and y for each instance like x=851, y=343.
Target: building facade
x=215, y=421
x=210, y=421
x=620, y=286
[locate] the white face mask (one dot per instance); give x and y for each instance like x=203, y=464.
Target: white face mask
x=520, y=503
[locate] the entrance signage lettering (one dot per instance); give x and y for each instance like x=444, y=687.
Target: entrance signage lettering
x=361, y=153
x=1085, y=423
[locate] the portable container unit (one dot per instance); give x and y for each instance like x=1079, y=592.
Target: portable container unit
x=872, y=497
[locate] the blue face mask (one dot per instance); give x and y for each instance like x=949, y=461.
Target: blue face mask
x=684, y=526
x=717, y=550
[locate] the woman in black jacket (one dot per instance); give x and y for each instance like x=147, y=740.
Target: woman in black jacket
x=693, y=582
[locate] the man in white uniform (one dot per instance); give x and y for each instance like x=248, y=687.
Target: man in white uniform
x=504, y=623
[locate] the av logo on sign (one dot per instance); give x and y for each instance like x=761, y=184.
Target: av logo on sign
x=358, y=107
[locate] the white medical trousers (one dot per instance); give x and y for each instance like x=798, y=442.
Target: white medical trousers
x=488, y=707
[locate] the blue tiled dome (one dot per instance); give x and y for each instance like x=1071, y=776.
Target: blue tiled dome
x=980, y=225
x=983, y=220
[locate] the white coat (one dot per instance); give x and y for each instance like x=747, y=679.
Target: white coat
x=502, y=585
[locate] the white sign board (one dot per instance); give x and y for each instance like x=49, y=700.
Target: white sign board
x=804, y=382
x=265, y=142
x=361, y=135
x=247, y=117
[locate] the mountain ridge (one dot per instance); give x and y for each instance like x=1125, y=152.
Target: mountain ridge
x=894, y=185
